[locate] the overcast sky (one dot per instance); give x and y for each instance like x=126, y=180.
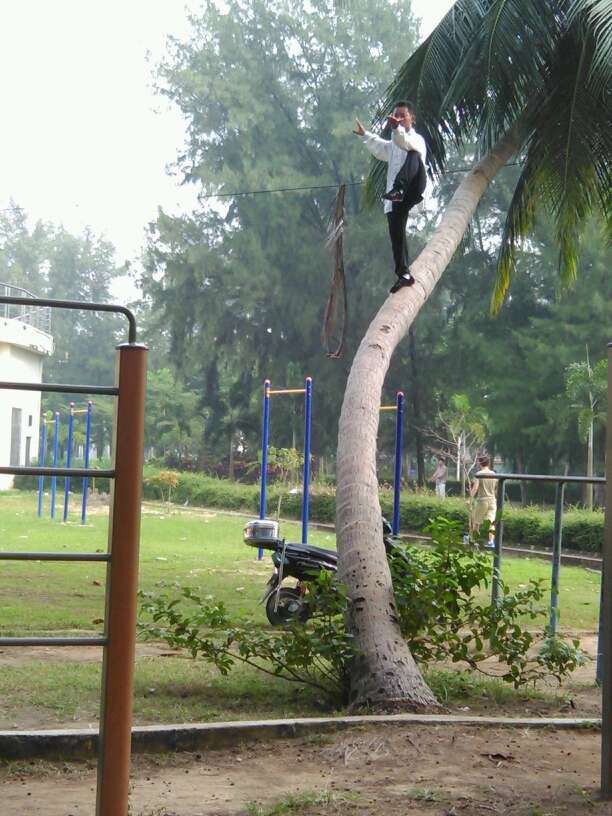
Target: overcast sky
x=84, y=140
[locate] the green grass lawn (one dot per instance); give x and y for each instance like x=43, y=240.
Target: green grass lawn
x=204, y=550
x=190, y=547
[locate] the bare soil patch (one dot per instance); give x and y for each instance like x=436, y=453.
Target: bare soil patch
x=442, y=771
x=74, y=654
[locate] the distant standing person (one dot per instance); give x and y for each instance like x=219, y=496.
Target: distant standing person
x=438, y=477
x=484, y=491
x=406, y=155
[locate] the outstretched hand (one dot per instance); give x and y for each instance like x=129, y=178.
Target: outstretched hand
x=359, y=130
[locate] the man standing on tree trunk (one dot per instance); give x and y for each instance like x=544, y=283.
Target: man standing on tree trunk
x=405, y=154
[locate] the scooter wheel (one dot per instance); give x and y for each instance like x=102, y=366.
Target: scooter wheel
x=291, y=608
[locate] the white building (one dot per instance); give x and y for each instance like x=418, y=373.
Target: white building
x=25, y=341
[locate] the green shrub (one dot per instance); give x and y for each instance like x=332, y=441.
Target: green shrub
x=316, y=654
x=441, y=618
x=102, y=483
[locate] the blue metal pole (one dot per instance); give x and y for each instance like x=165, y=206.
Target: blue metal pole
x=306, y=487
x=41, y=462
x=56, y=424
x=399, y=443
x=265, y=434
x=68, y=460
x=86, y=461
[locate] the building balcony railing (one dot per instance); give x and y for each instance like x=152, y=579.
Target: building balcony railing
x=37, y=316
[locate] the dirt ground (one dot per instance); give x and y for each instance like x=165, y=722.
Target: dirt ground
x=392, y=770
x=395, y=770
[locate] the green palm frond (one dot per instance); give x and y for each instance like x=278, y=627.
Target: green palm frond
x=567, y=172
x=503, y=67
x=597, y=17
x=520, y=222
x=585, y=420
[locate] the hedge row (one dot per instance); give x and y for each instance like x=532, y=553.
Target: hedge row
x=582, y=530
x=100, y=483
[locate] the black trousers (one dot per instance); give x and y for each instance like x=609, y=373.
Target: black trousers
x=397, y=220
x=398, y=217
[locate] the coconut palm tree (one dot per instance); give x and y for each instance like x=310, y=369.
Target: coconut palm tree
x=586, y=386
x=524, y=78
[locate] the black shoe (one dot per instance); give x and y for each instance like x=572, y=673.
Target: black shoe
x=404, y=280
x=395, y=196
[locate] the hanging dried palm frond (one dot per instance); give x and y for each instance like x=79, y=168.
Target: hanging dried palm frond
x=335, y=319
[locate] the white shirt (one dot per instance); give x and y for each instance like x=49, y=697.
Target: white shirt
x=393, y=152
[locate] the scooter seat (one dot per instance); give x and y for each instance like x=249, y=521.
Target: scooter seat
x=298, y=549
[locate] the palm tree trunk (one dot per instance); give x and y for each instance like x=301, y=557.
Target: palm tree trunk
x=384, y=669
x=462, y=452
x=458, y=468
x=589, y=473
x=231, y=466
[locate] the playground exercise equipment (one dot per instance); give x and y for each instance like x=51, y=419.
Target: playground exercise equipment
x=265, y=441
x=119, y=637
x=69, y=446
x=604, y=648
x=399, y=447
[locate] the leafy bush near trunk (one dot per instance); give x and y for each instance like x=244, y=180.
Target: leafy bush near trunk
x=441, y=618
x=436, y=592
x=317, y=655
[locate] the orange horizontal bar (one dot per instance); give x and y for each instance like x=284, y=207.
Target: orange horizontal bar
x=288, y=391
x=388, y=407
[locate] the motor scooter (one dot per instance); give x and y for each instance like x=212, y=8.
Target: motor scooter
x=303, y=562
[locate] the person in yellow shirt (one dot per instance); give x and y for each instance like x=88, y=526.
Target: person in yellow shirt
x=485, y=495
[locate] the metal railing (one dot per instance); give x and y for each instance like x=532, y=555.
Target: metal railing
x=119, y=636
x=560, y=482
x=38, y=316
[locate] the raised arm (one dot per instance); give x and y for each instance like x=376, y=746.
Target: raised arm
x=379, y=148
x=410, y=141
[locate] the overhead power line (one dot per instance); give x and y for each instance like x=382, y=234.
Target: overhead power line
x=238, y=193
x=282, y=190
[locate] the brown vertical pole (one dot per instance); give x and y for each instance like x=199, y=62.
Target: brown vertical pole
x=606, y=577
x=122, y=584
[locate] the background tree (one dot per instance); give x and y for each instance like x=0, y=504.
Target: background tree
x=173, y=426
x=586, y=387
x=50, y=262
x=460, y=432
x=268, y=92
